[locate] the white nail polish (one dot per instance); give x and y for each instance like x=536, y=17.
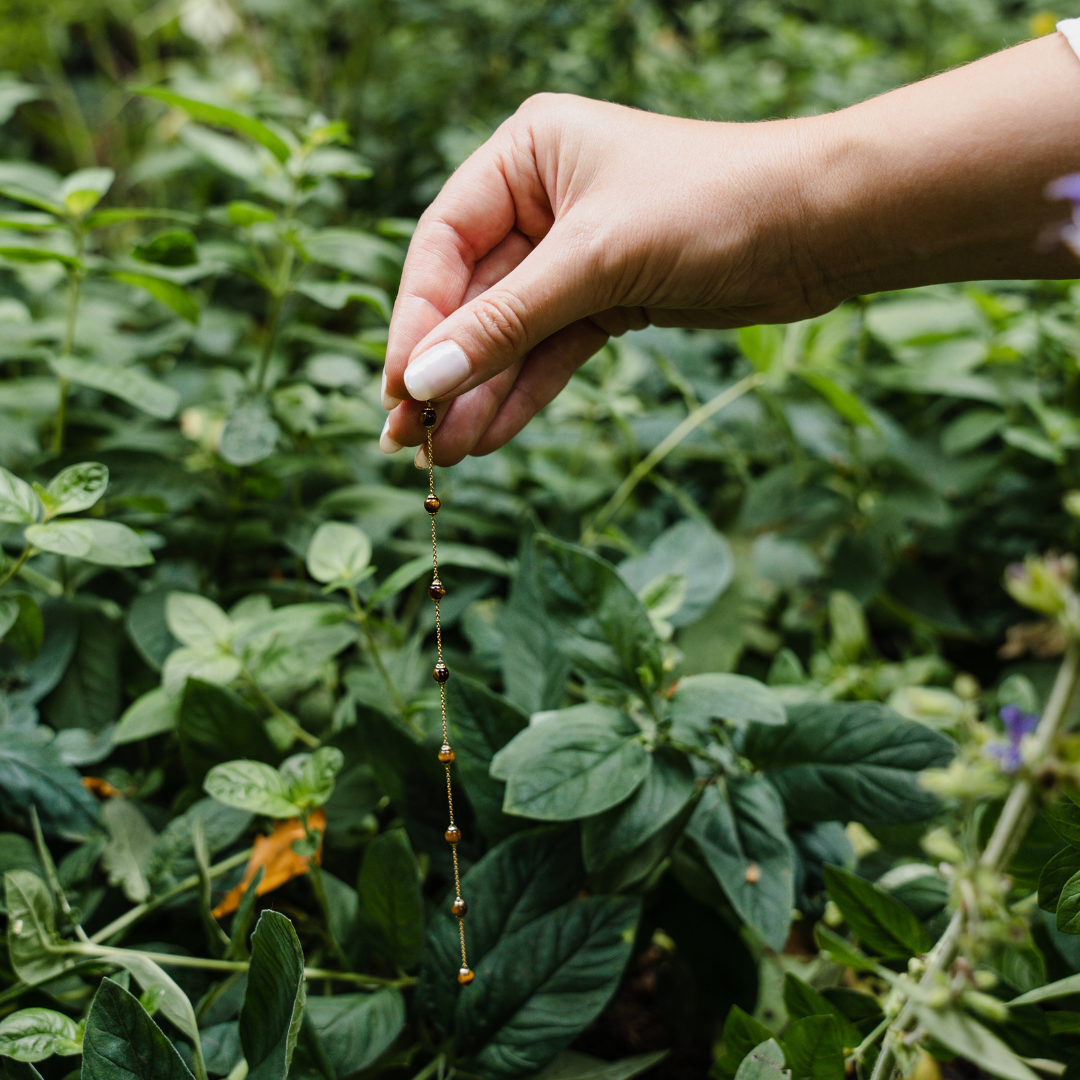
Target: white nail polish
x=388, y=400
x=437, y=371
x=421, y=461
x=386, y=444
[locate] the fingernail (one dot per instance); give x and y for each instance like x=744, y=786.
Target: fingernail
x=386, y=444
x=437, y=371
x=388, y=400
x=421, y=461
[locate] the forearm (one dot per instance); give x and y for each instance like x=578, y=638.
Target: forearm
x=944, y=180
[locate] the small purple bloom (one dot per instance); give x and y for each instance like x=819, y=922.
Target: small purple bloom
x=1017, y=725
x=1065, y=187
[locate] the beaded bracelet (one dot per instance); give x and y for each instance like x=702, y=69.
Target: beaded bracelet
x=436, y=590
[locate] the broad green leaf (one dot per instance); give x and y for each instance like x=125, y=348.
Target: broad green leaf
x=168, y=292
x=245, y=213
x=968, y=1038
x=170, y=247
x=840, y=950
x=700, y=699
x=763, y=346
x=1064, y=818
x=884, y=925
x=544, y=983
x=173, y=855
x=172, y=1002
x=122, y=1042
x=32, y=774
x=208, y=663
x=154, y=713
x=574, y=763
x=1068, y=907
x=603, y=627
x=130, y=384
x=19, y=193
x=1055, y=874
x=391, y=905
x=802, y=1000
x=338, y=553
x=1061, y=988
x=18, y=503
x=21, y=624
x=336, y=294
x=813, y=1048
x=742, y=1035
x=13, y=93
x=849, y=760
x=250, y=433
x=274, y=1000
x=253, y=786
x=356, y=1029
x=353, y=251
x=220, y=117
x=570, y=1065
x=764, y=1062
x=107, y=543
x=665, y=792
x=481, y=724
x=449, y=555
x=76, y=488
x=82, y=190
x=839, y=397
x=34, y=946
x=101, y=219
x=971, y=429
x=125, y=857
x=740, y=832
x=36, y=1034
x=336, y=161
x=197, y=621
x=309, y=778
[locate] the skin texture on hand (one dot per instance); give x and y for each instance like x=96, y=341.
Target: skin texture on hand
x=580, y=219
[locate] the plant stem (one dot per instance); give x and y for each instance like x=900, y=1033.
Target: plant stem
x=16, y=566
x=280, y=291
x=692, y=422
x=279, y=713
x=1011, y=825
x=68, y=343
x=361, y=618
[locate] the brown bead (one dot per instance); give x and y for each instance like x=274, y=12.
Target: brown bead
x=446, y=754
x=453, y=834
x=428, y=417
x=465, y=976
x=441, y=672
x=432, y=504
x=459, y=908
x=436, y=590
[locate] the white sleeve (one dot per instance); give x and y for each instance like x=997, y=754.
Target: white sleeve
x=1071, y=29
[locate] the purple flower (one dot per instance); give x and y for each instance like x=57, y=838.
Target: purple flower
x=1067, y=187
x=1017, y=725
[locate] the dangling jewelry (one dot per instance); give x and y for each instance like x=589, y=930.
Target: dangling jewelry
x=436, y=590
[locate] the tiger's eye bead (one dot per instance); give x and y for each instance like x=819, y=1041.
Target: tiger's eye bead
x=441, y=672
x=428, y=417
x=459, y=907
x=436, y=590
x=446, y=754
x=432, y=504
x=465, y=976
x=453, y=834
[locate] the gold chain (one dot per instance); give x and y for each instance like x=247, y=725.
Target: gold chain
x=437, y=591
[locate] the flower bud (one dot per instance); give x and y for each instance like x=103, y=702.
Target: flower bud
x=1042, y=584
x=986, y=1006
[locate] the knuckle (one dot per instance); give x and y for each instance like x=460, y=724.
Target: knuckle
x=501, y=317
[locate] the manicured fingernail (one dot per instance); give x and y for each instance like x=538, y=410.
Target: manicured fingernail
x=437, y=371
x=389, y=402
x=421, y=461
x=386, y=444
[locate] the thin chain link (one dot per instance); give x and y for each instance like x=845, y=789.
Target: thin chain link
x=442, y=690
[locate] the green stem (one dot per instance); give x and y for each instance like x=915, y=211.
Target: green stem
x=362, y=620
x=280, y=291
x=856, y=1055
x=68, y=343
x=661, y=451
x=16, y=566
x=319, y=888
x=430, y=1068
x=279, y=713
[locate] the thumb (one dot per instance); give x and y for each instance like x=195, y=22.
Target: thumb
x=553, y=286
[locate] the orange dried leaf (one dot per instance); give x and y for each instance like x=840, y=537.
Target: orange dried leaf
x=101, y=788
x=275, y=855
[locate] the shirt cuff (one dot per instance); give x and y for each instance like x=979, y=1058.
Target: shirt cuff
x=1071, y=29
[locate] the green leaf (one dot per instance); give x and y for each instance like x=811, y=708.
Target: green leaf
x=572, y=763
x=338, y=553
x=1068, y=908
x=34, y=946
x=76, y=488
x=813, y=1048
x=126, y=855
x=21, y=624
x=353, y=251
x=244, y=213
x=226, y=118
x=839, y=397
x=1055, y=874
x=252, y=786
x=18, y=503
x=130, y=384
x=123, y=1043
x=1061, y=988
x=250, y=433
x=1064, y=818
x=840, y=950
x=168, y=292
x=172, y=1002
x=481, y=724
x=106, y=543
x=764, y=1062
x=603, y=627
x=36, y=1034
x=665, y=792
x=197, y=621
x=154, y=713
x=170, y=247
x=391, y=905
x=849, y=761
x=19, y=193
x=700, y=699
x=102, y=219
x=968, y=1038
x=742, y=1035
x=570, y=1065
x=336, y=294
x=884, y=925
x=544, y=983
x=82, y=190
x=741, y=835
x=26, y=254
x=802, y=1000
x=357, y=1029
x=309, y=778
x=274, y=1000
x=32, y=774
